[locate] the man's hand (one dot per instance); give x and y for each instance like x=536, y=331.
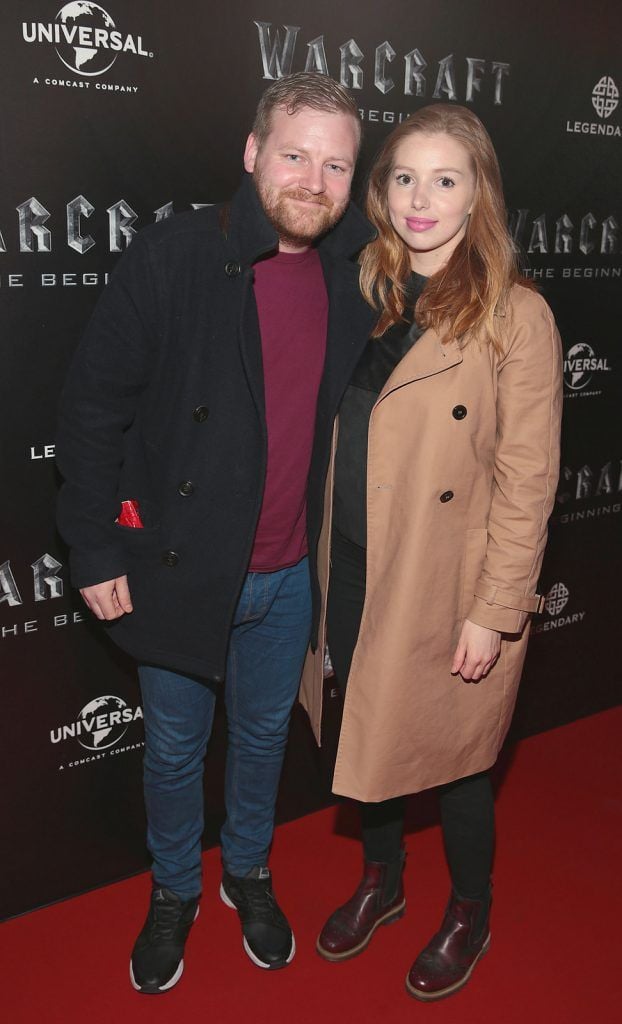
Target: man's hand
x=478, y=649
x=108, y=600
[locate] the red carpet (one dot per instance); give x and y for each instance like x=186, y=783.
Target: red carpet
x=555, y=954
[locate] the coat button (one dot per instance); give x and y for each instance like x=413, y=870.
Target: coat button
x=446, y=496
x=232, y=268
x=459, y=412
x=200, y=414
x=170, y=558
x=186, y=488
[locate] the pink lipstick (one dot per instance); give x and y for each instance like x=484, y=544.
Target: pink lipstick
x=420, y=223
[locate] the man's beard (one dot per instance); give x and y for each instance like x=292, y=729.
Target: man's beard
x=298, y=224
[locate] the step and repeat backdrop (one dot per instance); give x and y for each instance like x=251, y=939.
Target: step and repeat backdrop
x=117, y=115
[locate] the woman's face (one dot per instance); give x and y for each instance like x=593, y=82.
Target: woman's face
x=430, y=195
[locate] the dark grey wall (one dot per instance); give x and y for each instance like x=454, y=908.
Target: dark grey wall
x=89, y=153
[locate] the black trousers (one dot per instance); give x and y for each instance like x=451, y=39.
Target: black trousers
x=466, y=805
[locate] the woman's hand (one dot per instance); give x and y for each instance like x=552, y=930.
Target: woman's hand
x=478, y=649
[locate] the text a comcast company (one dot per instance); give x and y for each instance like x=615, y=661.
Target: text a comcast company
x=86, y=40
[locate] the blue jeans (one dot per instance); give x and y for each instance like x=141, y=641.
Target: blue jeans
x=268, y=642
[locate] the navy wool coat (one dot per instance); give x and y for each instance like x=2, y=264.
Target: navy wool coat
x=164, y=404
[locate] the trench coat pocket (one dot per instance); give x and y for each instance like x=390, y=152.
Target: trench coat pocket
x=474, y=555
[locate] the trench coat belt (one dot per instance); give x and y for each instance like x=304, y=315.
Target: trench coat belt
x=510, y=599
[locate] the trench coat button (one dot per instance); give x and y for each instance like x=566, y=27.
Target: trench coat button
x=459, y=412
x=232, y=268
x=170, y=558
x=200, y=414
x=446, y=496
x=186, y=488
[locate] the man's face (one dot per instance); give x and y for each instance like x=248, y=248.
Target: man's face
x=303, y=172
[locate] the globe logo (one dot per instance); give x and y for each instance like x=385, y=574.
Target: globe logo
x=605, y=96
x=576, y=366
x=101, y=722
x=557, y=598
x=86, y=60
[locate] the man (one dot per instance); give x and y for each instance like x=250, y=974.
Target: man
x=204, y=392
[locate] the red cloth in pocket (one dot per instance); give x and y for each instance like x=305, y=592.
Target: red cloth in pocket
x=130, y=515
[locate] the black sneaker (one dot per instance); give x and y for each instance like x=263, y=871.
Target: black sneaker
x=157, y=958
x=268, y=939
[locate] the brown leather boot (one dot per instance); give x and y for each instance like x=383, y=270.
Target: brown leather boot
x=448, y=960
x=378, y=900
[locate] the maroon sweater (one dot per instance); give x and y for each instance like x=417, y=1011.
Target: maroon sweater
x=293, y=308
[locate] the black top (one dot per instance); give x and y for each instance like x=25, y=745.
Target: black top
x=380, y=358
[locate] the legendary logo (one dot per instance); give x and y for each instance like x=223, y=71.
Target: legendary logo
x=605, y=99
x=85, y=38
x=605, y=96
x=102, y=723
x=557, y=598
x=555, y=603
x=580, y=364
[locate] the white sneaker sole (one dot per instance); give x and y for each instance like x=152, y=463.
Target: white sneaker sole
x=169, y=984
x=247, y=949
x=161, y=988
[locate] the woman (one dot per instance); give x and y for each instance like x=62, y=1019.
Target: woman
x=444, y=479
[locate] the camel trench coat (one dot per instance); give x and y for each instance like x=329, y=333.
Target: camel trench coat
x=463, y=462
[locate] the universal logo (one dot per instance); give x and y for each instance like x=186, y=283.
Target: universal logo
x=580, y=365
x=555, y=603
x=87, y=41
x=605, y=100
x=99, y=728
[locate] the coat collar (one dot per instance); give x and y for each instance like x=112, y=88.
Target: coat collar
x=251, y=235
x=428, y=356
